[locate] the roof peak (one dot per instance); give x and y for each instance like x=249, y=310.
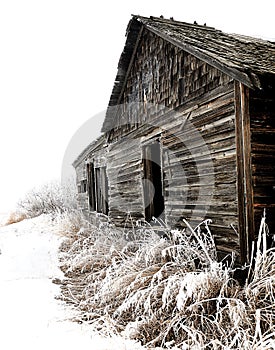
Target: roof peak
x=195, y=25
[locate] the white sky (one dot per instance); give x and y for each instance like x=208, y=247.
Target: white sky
x=58, y=62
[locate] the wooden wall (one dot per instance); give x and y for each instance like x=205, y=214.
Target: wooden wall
x=162, y=77
x=124, y=170
x=199, y=173
x=205, y=153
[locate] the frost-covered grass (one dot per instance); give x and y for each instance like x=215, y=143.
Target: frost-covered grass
x=168, y=293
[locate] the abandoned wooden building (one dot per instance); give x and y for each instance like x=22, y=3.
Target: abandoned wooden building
x=189, y=133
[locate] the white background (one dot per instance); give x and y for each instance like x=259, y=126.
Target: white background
x=58, y=63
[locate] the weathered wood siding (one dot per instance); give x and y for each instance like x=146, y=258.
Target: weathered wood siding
x=124, y=170
x=262, y=121
x=162, y=79
x=96, y=156
x=82, y=197
x=209, y=186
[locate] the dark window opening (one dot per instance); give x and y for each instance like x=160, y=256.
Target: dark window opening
x=82, y=187
x=152, y=184
x=91, y=186
x=101, y=185
x=97, y=188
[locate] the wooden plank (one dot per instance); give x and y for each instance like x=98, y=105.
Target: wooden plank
x=245, y=196
x=247, y=165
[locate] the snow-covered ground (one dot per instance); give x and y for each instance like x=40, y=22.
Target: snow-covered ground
x=30, y=316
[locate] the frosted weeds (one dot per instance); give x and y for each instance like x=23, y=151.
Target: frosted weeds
x=168, y=293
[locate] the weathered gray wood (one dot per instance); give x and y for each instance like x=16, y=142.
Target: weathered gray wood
x=245, y=199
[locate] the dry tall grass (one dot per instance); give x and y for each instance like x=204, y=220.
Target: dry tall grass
x=15, y=217
x=168, y=292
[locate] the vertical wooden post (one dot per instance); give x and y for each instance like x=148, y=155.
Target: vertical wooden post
x=244, y=171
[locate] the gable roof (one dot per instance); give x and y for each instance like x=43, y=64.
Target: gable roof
x=239, y=54
x=243, y=58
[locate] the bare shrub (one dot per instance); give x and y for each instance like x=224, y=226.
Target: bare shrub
x=168, y=292
x=50, y=198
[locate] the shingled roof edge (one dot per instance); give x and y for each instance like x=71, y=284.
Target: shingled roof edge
x=133, y=34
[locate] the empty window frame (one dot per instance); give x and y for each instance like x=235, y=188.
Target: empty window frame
x=91, y=186
x=97, y=187
x=82, y=186
x=152, y=184
x=79, y=188
x=101, y=186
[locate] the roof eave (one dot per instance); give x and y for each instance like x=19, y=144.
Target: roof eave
x=87, y=150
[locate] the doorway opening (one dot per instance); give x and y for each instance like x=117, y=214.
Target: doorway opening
x=97, y=187
x=152, y=182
